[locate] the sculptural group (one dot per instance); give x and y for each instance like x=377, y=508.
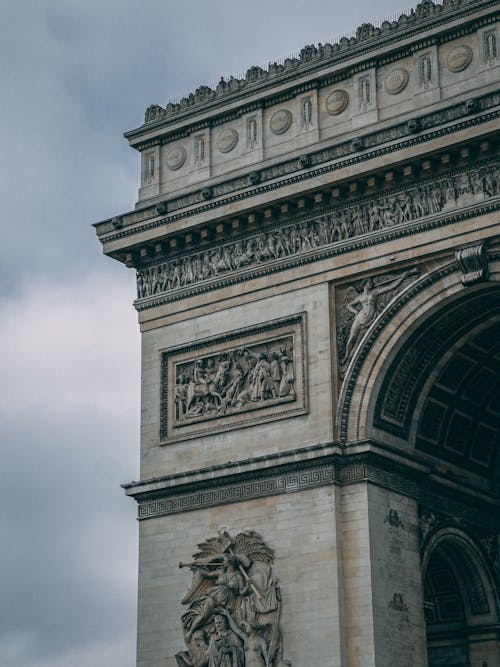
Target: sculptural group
x=234, y=605
x=339, y=224
x=235, y=380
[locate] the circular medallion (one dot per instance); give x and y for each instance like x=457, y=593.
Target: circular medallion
x=280, y=121
x=396, y=80
x=176, y=158
x=459, y=58
x=227, y=140
x=336, y=102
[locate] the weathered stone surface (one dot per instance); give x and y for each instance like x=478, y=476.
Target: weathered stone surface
x=318, y=256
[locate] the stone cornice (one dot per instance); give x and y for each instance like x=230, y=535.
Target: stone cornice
x=312, y=61
x=382, y=142
x=298, y=470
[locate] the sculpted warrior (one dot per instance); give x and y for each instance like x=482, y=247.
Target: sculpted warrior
x=262, y=385
x=228, y=584
x=225, y=647
x=234, y=605
x=254, y=645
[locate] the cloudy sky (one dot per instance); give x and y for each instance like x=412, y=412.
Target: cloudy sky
x=75, y=74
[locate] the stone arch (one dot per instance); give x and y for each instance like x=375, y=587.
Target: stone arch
x=472, y=571
x=461, y=600
x=400, y=341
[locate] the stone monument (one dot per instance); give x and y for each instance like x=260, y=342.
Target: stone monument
x=317, y=248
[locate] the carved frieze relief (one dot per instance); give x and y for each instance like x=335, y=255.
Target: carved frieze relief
x=233, y=605
x=318, y=158
x=234, y=381
x=344, y=222
x=248, y=376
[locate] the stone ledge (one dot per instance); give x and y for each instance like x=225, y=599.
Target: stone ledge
x=339, y=155
x=302, y=469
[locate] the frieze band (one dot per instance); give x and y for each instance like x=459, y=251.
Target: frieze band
x=431, y=197
x=259, y=488
x=298, y=480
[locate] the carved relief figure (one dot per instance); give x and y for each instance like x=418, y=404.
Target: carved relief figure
x=201, y=390
x=234, y=600
x=255, y=646
x=238, y=379
x=225, y=648
x=286, y=374
x=261, y=386
x=361, y=308
x=344, y=222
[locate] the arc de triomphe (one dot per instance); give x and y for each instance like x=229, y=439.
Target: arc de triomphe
x=318, y=289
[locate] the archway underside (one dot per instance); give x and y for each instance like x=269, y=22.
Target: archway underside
x=441, y=393
x=460, y=419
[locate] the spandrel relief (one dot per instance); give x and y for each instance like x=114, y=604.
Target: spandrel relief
x=358, y=306
x=233, y=605
x=228, y=381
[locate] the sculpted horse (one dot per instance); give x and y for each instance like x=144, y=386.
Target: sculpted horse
x=200, y=393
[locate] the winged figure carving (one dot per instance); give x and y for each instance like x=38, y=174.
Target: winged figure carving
x=362, y=304
x=233, y=605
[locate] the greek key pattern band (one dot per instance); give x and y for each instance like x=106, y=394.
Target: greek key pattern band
x=275, y=485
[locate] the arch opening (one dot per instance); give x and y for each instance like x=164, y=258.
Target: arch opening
x=460, y=603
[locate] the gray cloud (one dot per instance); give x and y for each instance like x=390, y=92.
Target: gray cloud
x=74, y=75
x=69, y=438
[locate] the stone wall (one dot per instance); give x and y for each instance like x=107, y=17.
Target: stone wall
x=300, y=528
x=226, y=444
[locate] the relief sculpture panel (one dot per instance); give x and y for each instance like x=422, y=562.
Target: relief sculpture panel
x=367, y=215
x=253, y=375
x=358, y=306
x=233, y=606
